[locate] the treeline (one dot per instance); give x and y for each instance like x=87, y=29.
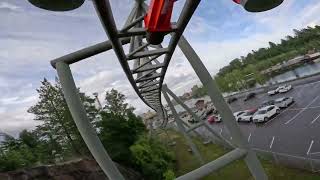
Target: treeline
x=57, y=138
x=246, y=71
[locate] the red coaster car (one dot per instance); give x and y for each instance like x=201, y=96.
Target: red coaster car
x=157, y=20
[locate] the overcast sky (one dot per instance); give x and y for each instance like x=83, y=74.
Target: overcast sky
x=31, y=37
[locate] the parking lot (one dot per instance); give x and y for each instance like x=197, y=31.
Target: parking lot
x=295, y=131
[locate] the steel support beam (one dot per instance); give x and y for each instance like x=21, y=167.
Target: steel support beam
x=85, y=128
x=133, y=23
x=218, y=101
x=182, y=128
x=201, y=123
x=214, y=165
x=86, y=52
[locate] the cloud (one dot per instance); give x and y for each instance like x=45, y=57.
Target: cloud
x=9, y=6
x=31, y=37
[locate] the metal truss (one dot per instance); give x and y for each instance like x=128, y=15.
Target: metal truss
x=145, y=66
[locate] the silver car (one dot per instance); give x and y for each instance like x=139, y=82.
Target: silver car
x=283, y=102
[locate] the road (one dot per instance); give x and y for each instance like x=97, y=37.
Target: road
x=295, y=131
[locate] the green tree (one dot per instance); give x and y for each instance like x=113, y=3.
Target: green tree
x=230, y=77
x=57, y=123
x=115, y=103
x=118, y=133
x=18, y=153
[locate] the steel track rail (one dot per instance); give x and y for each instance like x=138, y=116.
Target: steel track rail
x=149, y=80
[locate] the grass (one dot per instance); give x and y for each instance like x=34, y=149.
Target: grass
x=186, y=162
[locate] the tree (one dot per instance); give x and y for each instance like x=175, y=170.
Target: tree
x=118, y=133
x=230, y=77
x=115, y=103
x=18, y=153
x=57, y=123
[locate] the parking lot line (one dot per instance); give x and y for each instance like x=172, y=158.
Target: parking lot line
x=301, y=111
x=220, y=131
x=271, y=142
x=310, y=147
x=276, y=116
x=249, y=137
x=315, y=119
x=295, y=109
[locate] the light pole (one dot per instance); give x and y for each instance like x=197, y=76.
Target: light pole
x=97, y=99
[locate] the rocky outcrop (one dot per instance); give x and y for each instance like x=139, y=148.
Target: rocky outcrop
x=79, y=170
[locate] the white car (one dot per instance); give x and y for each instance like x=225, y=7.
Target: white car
x=283, y=102
x=272, y=92
x=265, y=113
x=247, y=116
x=238, y=115
x=284, y=89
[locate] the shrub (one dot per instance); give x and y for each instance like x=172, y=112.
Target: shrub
x=152, y=157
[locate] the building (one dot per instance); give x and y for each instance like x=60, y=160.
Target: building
x=200, y=104
x=185, y=96
x=148, y=116
x=308, y=58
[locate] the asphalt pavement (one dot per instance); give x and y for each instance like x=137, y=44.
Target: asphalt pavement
x=294, y=132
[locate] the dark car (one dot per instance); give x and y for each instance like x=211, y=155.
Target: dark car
x=232, y=99
x=250, y=96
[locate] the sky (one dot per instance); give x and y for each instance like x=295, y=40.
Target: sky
x=30, y=37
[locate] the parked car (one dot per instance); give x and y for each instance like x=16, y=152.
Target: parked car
x=210, y=110
x=231, y=100
x=192, y=121
x=249, y=96
x=265, y=113
x=272, y=92
x=214, y=119
x=284, y=89
x=267, y=103
x=283, y=102
x=280, y=89
x=238, y=114
x=248, y=115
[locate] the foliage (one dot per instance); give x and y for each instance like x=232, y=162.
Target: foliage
x=21, y=152
x=58, y=127
x=152, y=157
x=244, y=72
x=115, y=103
x=169, y=175
x=199, y=92
x=118, y=133
x=57, y=137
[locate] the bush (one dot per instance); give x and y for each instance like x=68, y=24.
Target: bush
x=118, y=133
x=169, y=175
x=16, y=159
x=152, y=157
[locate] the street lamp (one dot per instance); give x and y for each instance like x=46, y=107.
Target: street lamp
x=57, y=5
x=258, y=5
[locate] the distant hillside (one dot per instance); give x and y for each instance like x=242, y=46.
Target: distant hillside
x=245, y=71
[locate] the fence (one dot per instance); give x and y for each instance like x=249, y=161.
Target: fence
x=288, y=160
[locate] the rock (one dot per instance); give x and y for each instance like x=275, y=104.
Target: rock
x=85, y=169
